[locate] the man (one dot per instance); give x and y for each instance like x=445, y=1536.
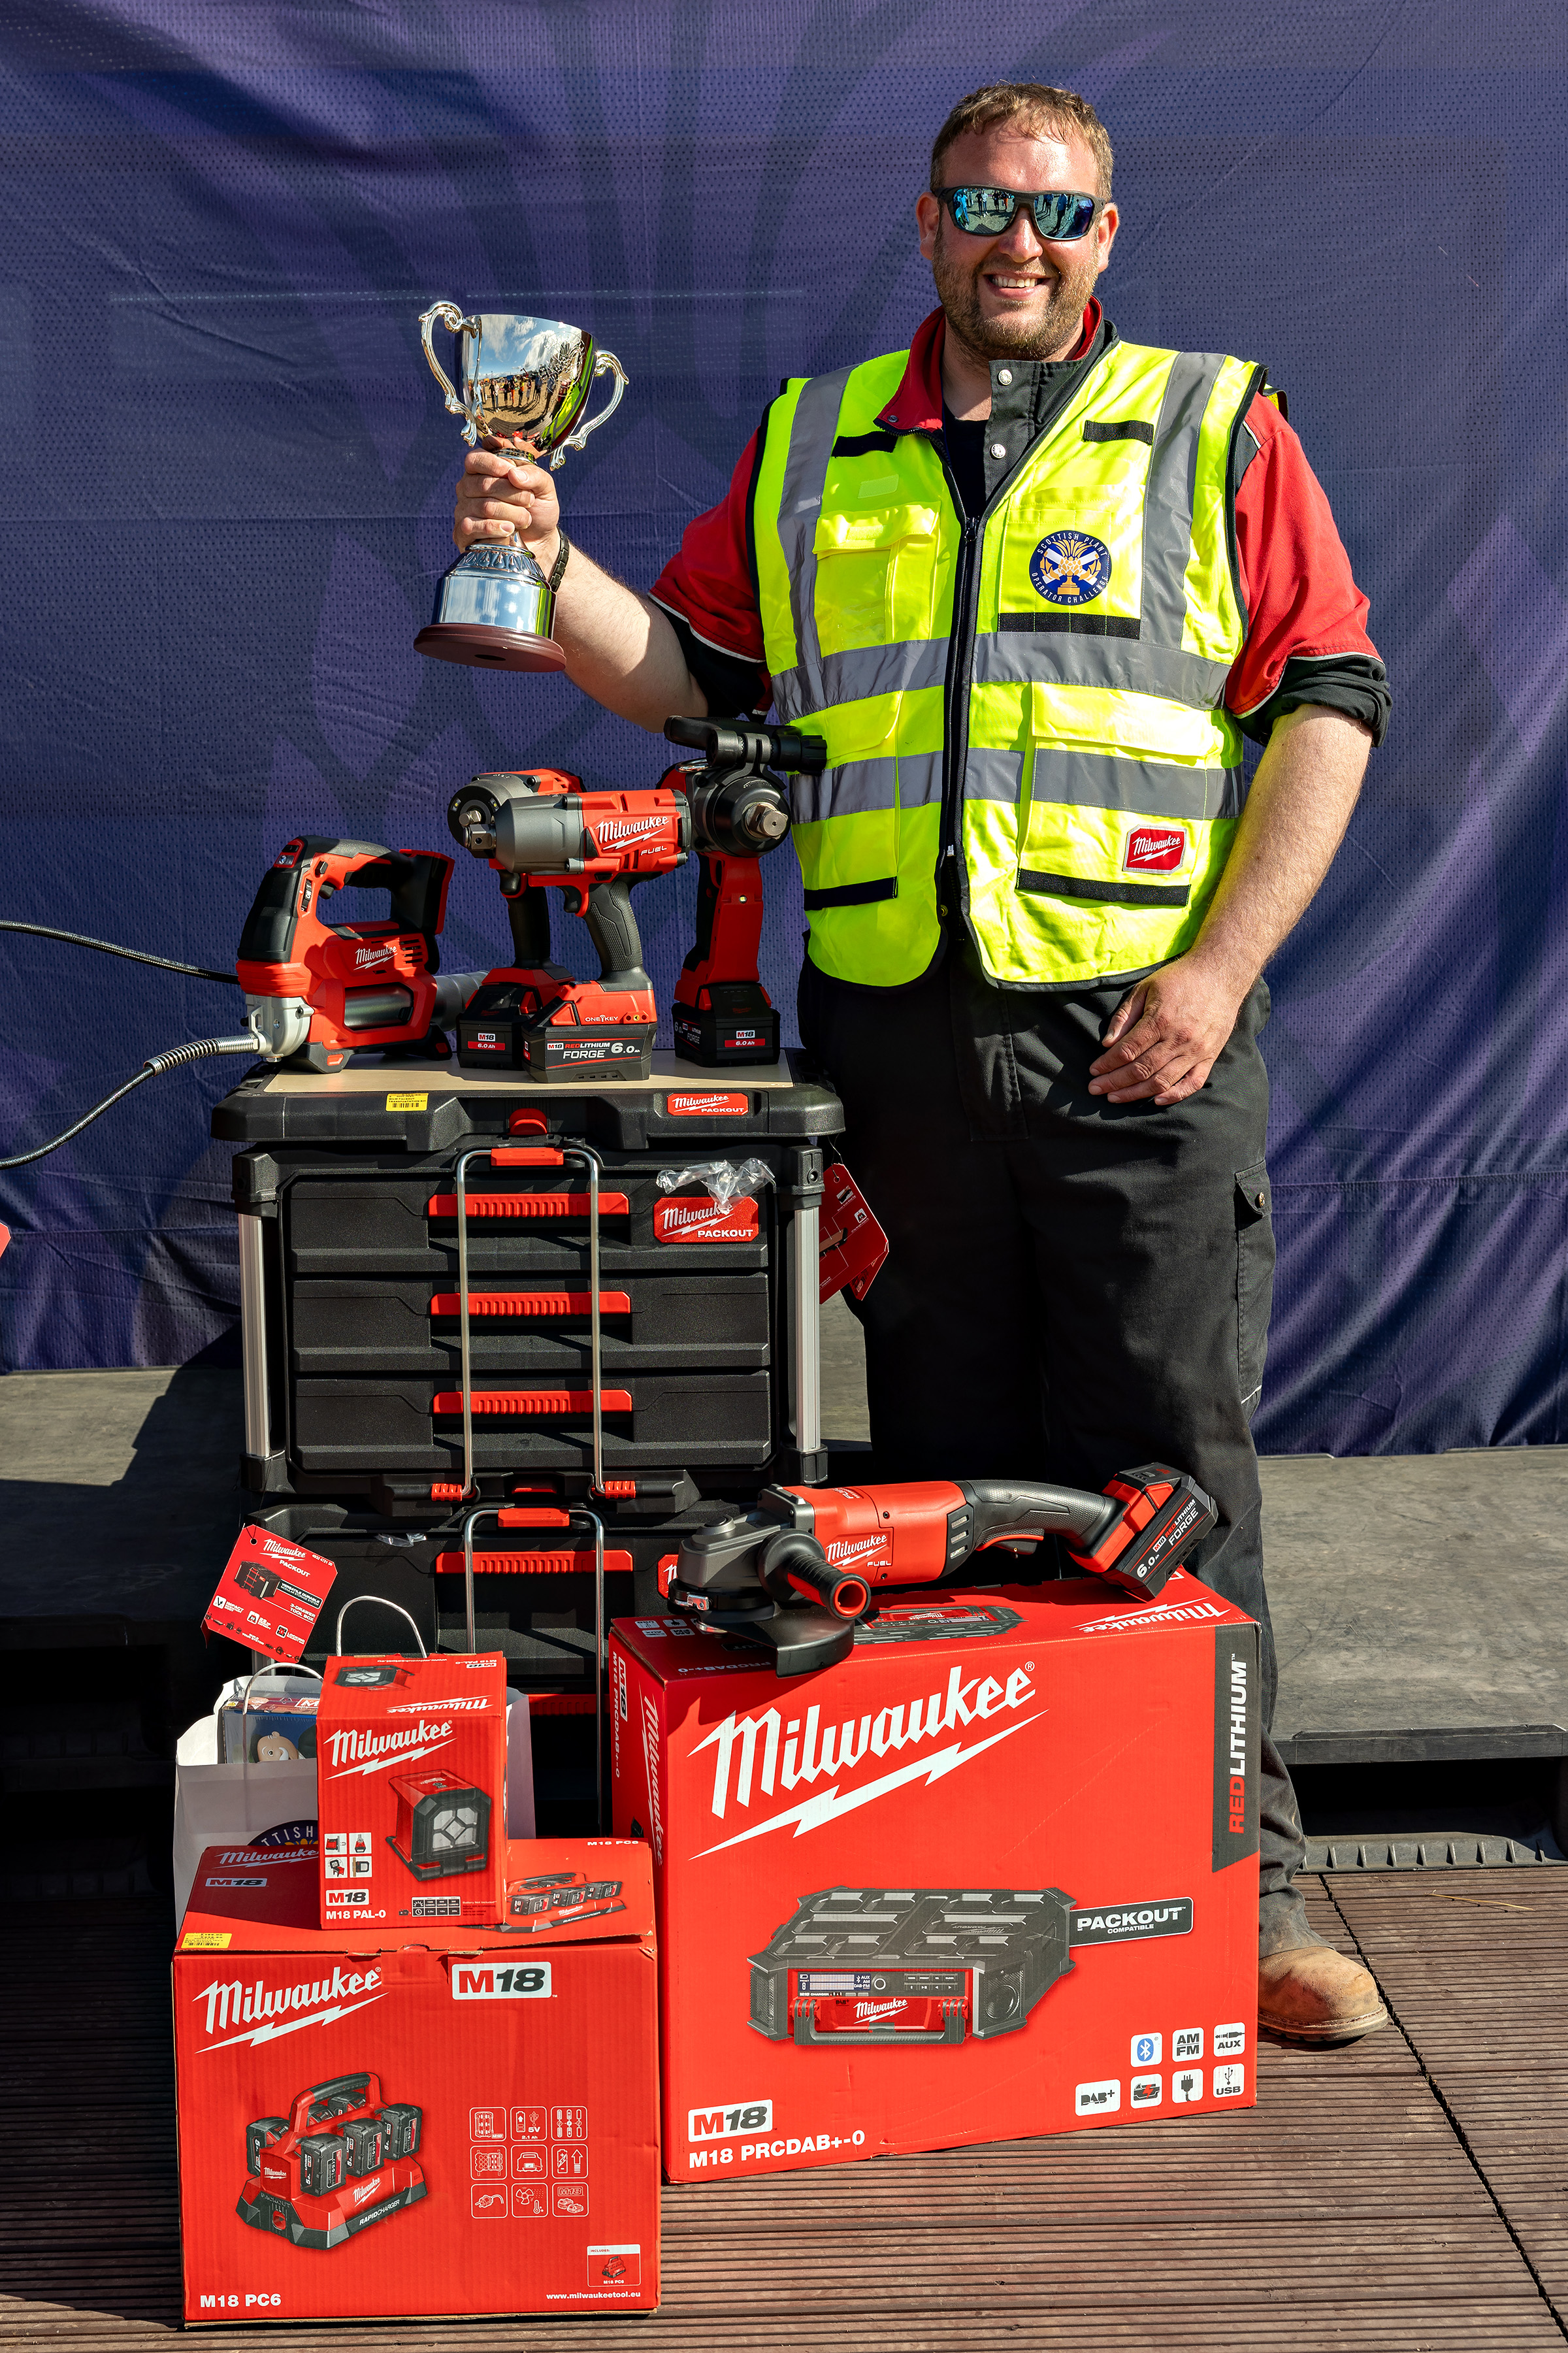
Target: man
x=1032, y=583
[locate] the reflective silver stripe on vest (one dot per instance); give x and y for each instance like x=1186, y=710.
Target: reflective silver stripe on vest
x=862, y=671
x=860, y=785
x=1013, y=659
x=1095, y=780
x=1168, y=502
x=812, y=433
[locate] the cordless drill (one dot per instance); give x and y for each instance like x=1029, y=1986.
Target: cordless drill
x=801, y=1571
x=739, y=810
x=540, y=831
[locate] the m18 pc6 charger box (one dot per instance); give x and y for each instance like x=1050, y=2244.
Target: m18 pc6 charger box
x=994, y=1874
x=411, y=1766
x=419, y=2120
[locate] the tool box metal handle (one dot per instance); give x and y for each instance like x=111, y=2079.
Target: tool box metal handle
x=381, y=1604
x=806, y=2035
x=506, y=1155
x=574, y=1512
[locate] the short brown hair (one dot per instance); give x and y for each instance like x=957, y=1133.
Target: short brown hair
x=1038, y=105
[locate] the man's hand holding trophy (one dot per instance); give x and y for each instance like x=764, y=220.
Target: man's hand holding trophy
x=523, y=385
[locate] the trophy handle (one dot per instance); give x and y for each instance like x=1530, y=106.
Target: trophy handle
x=606, y=364
x=446, y=314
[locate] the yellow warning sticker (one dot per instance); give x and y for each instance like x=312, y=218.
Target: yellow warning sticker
x=407, y=1103
x=205, y=1940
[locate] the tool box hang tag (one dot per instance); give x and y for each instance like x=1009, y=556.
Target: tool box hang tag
x=269, y=1595
x=853, y=1245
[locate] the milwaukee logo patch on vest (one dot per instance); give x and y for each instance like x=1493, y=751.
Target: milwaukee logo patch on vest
x=1036, y=710
x=1155, y=849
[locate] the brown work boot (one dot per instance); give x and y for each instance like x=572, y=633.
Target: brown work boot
x=1312, y=1994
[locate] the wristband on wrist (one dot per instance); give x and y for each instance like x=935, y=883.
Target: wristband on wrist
x=558, y=568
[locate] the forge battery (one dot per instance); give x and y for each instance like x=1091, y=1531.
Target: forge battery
x=910, y=1965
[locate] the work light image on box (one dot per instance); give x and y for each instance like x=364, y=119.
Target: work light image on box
x=443, y=1825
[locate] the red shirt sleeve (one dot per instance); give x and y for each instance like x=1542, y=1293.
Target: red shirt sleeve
x=1296, y=583
x=708, y=581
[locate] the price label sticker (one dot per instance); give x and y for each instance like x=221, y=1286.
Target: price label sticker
x=407, y=1103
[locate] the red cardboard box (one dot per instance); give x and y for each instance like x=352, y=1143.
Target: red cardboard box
x=995, y=1874
x=416, y=2121
x=411, y=1764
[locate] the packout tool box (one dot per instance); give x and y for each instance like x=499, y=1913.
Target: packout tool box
x=418, y=2119
x=994, y=1874
x=411, y=1776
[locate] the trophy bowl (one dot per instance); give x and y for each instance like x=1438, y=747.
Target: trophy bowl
x=521, y=386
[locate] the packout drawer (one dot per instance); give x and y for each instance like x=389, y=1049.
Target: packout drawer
x=519, y=1220
x=708, y=1421
x=696, y=1322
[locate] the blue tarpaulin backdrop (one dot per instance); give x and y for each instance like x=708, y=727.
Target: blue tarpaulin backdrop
x=226, y=480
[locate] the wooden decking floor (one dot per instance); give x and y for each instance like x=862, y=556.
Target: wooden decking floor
x=1407, y=2195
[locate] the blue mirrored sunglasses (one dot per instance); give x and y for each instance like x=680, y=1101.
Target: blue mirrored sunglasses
x=1060, y=217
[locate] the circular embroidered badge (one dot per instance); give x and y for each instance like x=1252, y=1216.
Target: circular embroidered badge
x=1070, y=567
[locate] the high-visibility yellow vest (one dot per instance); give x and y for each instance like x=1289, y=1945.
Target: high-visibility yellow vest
x=1070, y=705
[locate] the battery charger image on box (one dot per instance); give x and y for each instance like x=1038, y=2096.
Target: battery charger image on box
x=341, y=2160
x=910, y=1965
x=559, y=1898
x=443, y=1825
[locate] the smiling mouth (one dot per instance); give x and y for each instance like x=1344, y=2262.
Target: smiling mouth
x=1010, y=284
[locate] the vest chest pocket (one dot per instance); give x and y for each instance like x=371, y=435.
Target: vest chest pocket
x=1074, y=552
x=875, y=576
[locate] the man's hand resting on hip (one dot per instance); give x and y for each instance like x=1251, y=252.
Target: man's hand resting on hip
x=1168, y=1031
x=1166, y=1034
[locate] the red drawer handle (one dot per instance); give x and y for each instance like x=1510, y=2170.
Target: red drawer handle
x=448, y=1401
x=531, y=1302
x=533, y=1563
x=527, y=1156
x=528, y=1205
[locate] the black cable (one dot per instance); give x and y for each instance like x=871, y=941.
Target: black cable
x=172, y=1057
x=107, y=947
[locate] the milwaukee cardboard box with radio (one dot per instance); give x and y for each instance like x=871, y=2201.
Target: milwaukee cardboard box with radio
x=412, y=1766
x=423, y=2120
x=995, y=1873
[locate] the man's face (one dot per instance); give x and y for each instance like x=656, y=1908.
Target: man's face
x=1013, y=296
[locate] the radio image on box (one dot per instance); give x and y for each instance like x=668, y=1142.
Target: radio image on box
x=910, y=1965
x=558, y=1899
x=443, y=1825
x=341, y=2158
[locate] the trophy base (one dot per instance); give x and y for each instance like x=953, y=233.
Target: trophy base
x=482, y=647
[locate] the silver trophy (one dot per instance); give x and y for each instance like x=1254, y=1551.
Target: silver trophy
x=525, y=384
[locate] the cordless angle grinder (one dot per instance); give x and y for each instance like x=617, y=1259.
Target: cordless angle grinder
x=541, y=830
x=799, y=1572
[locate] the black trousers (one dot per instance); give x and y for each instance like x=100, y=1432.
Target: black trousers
x=1073, y=1287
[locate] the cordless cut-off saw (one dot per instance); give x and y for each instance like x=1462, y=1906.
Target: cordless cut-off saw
x=801, y=1571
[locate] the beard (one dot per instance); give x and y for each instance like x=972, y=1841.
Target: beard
x=1035, y=337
